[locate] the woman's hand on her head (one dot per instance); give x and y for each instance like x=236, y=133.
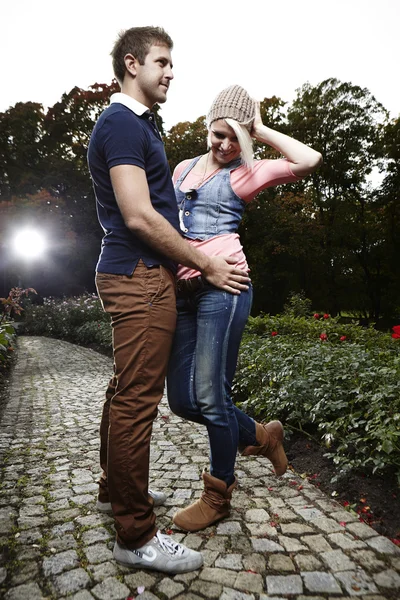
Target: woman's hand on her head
x=257, y=121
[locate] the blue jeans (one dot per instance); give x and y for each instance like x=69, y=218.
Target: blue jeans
x=201, y=368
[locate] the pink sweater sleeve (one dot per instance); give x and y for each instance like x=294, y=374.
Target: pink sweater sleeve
x=247, y=183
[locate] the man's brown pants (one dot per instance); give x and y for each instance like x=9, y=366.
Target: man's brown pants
x=143, y=314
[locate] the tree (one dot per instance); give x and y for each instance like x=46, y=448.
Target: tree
x=342, y=121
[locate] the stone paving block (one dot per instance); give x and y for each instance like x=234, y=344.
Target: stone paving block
x=256, y=515
x=346, y=541
x=31, y=510
x=110, y=589
x=361, y=530
x=337, y=560
x=263, y=529
x=222, y=576
x=82, y=499
x=309, y=513
x=60, y=516
x=280, y=562
x=317, y=581
x=395, y=563
x=249, y=582
x=344, y=516
x=356, y=582
x=368, y=560
x=254, y=562
x=83, y=595
x=240, y=544
x=229, y=528
x=29, y=522
x=29, y=571
x=209, y=557
x=71, y=581
x=97, y=553
x=295, y=529
x=102, y=571
x=193, y=541
x=327, y=525
x=291, y=544
x=22, y=592
x=231, y=594
x=264, y=545
x=93, y=520
x=383, y=545
x=208, y=589
x=95, y=535
x=60, y=562
x=308, y=562
x=284, y=584
x=139, y=579
x=60, y=494
x=316, y=543
x=170, y=588
x=388, y=579
x=230, y=561
x=61, y=504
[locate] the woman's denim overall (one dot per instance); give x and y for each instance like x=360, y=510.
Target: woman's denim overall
x=209, y=330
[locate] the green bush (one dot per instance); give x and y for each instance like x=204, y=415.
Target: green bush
x=345, y=393
x=7, y=339
x=80, y=320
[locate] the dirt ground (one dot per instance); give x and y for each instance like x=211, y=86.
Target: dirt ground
x=375, y=499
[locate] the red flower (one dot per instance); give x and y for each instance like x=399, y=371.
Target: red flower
x=343, y=338
x=326, y=316
x=396, y=334
x=316, y=316
x=274, y=333
x=323, y=337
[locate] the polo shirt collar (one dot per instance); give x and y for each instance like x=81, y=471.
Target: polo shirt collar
x=137, y=107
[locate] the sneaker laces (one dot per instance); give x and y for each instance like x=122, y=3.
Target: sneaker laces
x=169, y=545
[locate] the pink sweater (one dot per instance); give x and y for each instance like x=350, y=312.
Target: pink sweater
x=246, y=183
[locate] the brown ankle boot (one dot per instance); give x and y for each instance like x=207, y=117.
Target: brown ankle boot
x=270, y=437
x=213, y=505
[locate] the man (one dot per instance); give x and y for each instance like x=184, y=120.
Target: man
x=135, y=280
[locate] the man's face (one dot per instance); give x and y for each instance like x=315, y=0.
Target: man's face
x=154, y=76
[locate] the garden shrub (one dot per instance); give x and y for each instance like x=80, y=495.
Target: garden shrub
x=344, y=393
x=80, y=320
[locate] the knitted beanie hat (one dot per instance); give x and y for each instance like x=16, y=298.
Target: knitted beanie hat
x=234, y=103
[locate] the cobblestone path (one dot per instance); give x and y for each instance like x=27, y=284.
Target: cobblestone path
x=284, y=538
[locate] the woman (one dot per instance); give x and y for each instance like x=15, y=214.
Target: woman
x=212, y=191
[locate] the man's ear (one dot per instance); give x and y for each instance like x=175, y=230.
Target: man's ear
x=130, y=64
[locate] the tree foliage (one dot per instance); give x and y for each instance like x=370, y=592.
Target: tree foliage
x=333, y=234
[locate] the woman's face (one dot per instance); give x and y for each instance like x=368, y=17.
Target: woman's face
x=224, y=143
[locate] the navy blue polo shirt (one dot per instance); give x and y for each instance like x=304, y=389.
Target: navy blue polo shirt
x=122, y=137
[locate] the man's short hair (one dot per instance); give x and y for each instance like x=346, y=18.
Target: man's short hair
x=137, y=41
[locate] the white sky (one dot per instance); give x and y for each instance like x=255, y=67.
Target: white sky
x=270, y=47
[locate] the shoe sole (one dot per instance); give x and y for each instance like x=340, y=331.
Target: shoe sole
x=149, y=567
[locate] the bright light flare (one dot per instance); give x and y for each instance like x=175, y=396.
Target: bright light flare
x=29, y=244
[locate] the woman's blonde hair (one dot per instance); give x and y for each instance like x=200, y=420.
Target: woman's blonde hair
x=244, y=139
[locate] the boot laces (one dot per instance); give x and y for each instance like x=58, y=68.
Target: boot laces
x=169, y=545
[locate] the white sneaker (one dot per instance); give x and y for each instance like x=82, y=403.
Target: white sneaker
x=158, y=498
x=161, y=553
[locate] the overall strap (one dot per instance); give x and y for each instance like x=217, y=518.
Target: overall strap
x=185, y=171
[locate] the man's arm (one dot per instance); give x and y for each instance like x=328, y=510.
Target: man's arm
x=132, y=193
